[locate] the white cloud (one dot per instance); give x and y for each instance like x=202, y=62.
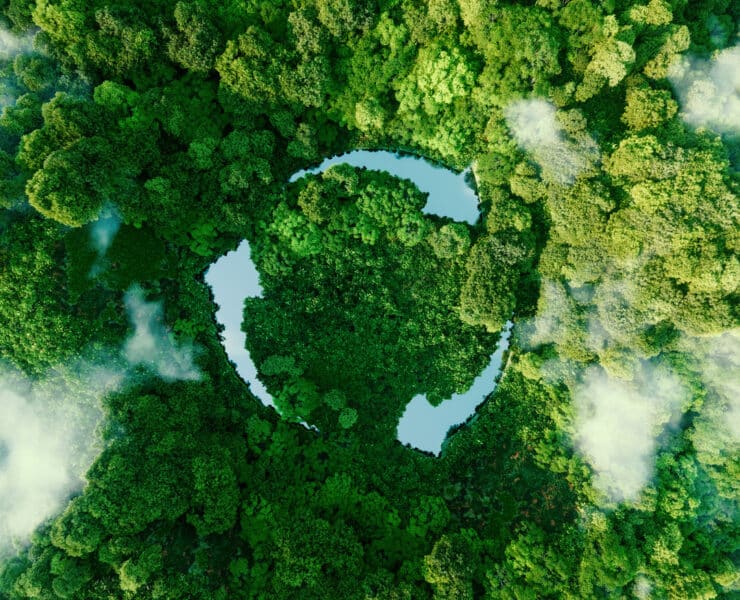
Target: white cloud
x=618, y=422
x=535, y=127
x=49, y=426
x=11, y=44
x=152, y=344
x=623, y=406
x=103, y=231
x=709, y=91
x=47, y=442
x=642, y=588
x=534, y=123
x=721, y=371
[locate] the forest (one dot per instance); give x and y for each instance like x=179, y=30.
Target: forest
x=142, y=140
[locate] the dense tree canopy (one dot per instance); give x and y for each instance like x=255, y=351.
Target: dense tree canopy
x=608, y=232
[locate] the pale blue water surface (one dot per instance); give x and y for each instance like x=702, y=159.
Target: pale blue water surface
x=425, y=426
x=233, y=277
x=449, y=194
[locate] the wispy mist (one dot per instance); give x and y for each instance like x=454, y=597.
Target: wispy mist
x=535, y=126
x=49, y=426
x=12, y=44
x=642, y=588
x=709, y=90
x=721, y=372
x=48, y=440
x=102, y=233
x=622, y=406
x=716, y=429
x=152, y=344
x=618, y=422
x=555, y=313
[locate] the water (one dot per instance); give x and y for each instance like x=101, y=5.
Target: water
x=234, y=277
x=425, y=426
x=449, y=194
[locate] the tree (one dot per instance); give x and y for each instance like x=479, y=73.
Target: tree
x=520, y=44
x=648, y=108
x=122, y=41
x=135, y=572
x=343, y=17
x=195, y=41
x=610, y=62
x=70, y=575
x=488, y=298
x=251, y=66
x=619, y=253
x=655, y=12
x=449, y=568
x=437, y=79
x=36, y=72
x=71, y=188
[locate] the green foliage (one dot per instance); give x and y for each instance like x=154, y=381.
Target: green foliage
x=135, y=572
x=647, y=108
x=347, y=418
x=364, y=229
x=189, y=117
x=134, y=255
x=216, y=491
x=196, y=41
x=42, y=331
x=449, y=568
x=488, y=296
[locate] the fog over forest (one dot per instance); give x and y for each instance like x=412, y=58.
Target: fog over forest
x=141, y=142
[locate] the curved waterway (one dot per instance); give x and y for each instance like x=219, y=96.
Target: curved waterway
x=425, y=426
x=449, y=193
x=234, y=277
